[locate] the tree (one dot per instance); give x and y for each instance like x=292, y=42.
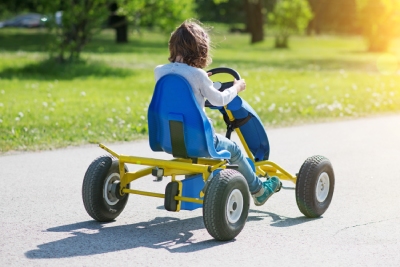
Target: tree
x=82, y=19
x=119, y=23
x=289, y=17
x=379, y=20
x=337, y=16
x=255, y=19
x=251, y=13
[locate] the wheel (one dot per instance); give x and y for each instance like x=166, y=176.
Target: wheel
x=314, y=186
x=100, y=189
x=226, y=205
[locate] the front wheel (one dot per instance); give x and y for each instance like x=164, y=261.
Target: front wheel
x=100, y=189
x=226, y=205
x=314, y=186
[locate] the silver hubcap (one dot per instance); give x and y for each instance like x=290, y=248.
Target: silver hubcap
x=322, y=188
x=234, y=206
x=108, y=196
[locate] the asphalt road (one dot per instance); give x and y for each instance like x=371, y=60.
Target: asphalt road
x=44, y=223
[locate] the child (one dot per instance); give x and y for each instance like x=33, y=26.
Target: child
x=189, y=48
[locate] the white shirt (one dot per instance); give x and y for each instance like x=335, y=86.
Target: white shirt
x=201, y=84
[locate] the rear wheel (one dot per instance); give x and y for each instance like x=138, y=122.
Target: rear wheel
x=314, y=186
x=101, y=191
x=226, y=205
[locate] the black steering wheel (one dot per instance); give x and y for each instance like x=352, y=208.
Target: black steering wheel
x=222, y=86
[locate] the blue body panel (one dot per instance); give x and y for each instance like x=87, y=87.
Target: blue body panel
x=191, y=187
x=253, y=130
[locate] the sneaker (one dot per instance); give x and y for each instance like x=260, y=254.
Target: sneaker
x=268, y=188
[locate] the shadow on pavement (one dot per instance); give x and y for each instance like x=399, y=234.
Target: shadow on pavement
x=278, y=221
x=91, y=238
x=173, y=234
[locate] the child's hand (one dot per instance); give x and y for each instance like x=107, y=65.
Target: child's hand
x=240, y=85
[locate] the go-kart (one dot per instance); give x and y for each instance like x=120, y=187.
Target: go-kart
x=200, y=176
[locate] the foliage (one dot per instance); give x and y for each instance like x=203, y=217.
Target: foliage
x=231, y=11
x=44, y=105
x=81, y=20
x=289, y=17
x=11, y=7
x=333, y=16
x=380, y=21
x=160, y=14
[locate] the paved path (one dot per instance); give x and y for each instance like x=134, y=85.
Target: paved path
x=43, y=221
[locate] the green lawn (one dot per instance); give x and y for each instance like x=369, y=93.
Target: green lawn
x=105, y=99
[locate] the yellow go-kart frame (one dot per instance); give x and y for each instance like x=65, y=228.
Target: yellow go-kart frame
x=213, y=184
x=180, y=166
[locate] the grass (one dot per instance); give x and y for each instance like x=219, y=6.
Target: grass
x=105, y=98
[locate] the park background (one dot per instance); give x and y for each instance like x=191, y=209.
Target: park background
x=81, y=81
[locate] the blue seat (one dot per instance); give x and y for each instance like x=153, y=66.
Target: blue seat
x=177, y=125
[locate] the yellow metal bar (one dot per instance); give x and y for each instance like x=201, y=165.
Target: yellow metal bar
x=109, y=150
x=201, y=161
x=189, y=166
x=262, y=166
x=245, y=146
x=175, y=166
x=189, y=199
x=217, y=166
x=152, y=194
x=273, y=164
x=122, y=174
x=131, y=176
x=282, y=176
x=212, y=163
x=143, y=193
x=274, y=169
x=164, y=163
x=240, y=135
x=169, y=172
x=260, y=171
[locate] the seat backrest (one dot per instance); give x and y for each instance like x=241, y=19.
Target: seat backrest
x=177, y=125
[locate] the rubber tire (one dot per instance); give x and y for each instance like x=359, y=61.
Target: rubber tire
x=215, y=202
x=93, y=189
x=306, y=185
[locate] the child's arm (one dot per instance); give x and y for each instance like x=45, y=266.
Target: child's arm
x=217, y=98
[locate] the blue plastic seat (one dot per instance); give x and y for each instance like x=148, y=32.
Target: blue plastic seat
x=177, y=125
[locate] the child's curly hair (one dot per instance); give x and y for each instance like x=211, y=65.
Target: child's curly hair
x=190, y=40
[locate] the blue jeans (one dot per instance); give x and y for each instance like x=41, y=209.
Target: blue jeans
x=237, y=157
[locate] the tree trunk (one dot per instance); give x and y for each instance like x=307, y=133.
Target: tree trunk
x=255, y=20
x=281, y=41
x=120, y=24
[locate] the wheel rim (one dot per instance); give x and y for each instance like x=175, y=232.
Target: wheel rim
x=234, y=206
x=110, y=198
x=322, y=188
